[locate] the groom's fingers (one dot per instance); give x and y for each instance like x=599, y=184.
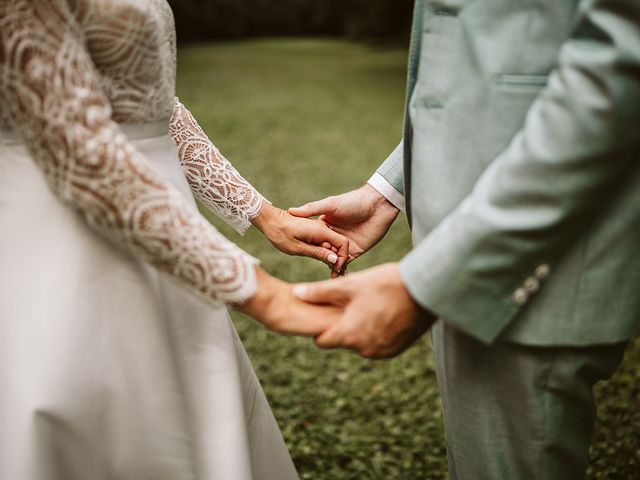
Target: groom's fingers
x=312, y=209
x=342, y=244
x=328, y=292
x=336, y=336
x=347, y=333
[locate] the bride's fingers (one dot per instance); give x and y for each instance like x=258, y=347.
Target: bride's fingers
x=310, y=327
x=323, y=238
x=328, y=246
x=319, y=253
x=355, y=250
x=341, y=243
x=310, y=321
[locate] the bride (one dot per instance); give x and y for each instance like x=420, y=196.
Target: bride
x=108, y=368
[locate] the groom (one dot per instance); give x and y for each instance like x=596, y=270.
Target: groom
x=520, y=172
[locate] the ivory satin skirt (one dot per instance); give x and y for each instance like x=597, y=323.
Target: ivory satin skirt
x=107, y=368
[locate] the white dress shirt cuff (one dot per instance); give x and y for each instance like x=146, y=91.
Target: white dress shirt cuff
x=387, y=190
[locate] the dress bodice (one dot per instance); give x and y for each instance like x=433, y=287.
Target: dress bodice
x=132, y=44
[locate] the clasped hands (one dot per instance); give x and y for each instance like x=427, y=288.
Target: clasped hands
x=370, y=312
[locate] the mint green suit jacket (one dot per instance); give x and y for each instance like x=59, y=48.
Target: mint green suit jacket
x=520, y=166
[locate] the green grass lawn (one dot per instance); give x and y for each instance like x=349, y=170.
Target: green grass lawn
x=303, y=119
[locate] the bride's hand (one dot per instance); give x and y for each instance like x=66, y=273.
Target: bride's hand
x=275, y=306
x=303, y=236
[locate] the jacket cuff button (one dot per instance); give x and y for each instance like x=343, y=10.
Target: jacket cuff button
x=520, y=297
x=532, y=285
x=543, y=271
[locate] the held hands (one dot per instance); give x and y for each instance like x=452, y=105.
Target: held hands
x=276, y=307
x=363, y=216
x=370, y=312
x=378, y=318
x=349, y=225
x=302, y=236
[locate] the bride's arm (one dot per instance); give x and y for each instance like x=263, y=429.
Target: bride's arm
x=51, y=91
x=212, y=178
x=219, y=187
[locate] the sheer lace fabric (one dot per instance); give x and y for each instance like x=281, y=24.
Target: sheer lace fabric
x=68, y=72
x=213, y=180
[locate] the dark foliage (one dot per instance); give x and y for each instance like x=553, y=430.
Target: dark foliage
x=211, y=19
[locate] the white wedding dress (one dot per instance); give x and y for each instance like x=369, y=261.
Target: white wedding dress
x=110, y=369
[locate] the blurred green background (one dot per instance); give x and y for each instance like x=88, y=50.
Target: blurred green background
x=303, y=118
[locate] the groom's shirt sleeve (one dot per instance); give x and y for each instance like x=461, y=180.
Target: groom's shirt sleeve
x=388, y=180
x=579, y=142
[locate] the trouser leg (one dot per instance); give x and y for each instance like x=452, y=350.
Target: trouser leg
x=518, y=412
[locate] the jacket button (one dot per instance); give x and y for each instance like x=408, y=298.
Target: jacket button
x=520, y=297
x=543, y=271
x=532, y=285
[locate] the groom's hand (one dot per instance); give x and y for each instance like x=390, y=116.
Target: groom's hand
x=363, y=216
x=379, y=319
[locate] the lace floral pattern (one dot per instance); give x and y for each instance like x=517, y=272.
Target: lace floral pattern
x=59, y=89
x=212, y=178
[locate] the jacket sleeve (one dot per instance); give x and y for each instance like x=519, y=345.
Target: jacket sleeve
x=392, y=169
x=580, y=139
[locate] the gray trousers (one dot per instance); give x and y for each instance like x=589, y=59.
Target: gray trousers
x=516, y=412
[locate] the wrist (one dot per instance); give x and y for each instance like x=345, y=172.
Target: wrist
x=260, y=301
x=378, y=200
x=267, y=216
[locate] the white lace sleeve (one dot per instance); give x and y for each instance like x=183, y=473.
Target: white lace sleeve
x=212, y=178
x=50, y=89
